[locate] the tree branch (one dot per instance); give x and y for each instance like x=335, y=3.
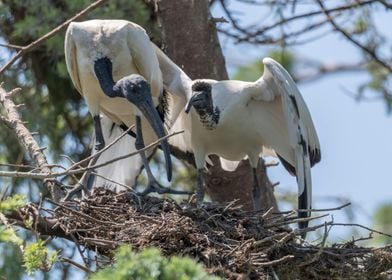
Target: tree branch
x=351, y=39
x=26, y=140
x=43, y=225
x=45, y=37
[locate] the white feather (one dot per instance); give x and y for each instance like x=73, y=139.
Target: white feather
x=256, y=119
x=124, y=171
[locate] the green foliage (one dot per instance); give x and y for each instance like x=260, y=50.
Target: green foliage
x=149, y=264
x=7, y=234
x=383, y=222
x=36, y=256
x=253, y=71
x=11, y=203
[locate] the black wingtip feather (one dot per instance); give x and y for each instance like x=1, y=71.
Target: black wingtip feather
x=303, y=205
x=315, y=156
x=287, y=165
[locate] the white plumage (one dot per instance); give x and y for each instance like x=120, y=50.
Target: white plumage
x=237, y=120
x=128, y=47
x=232, y=119
x=99, y=53
x=121, y=172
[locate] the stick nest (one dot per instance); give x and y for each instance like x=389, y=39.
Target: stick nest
x=231, y=243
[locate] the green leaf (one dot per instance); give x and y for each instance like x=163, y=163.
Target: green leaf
x=149, y=264
x=9, y=235
x=12, y=203
x=36, y=256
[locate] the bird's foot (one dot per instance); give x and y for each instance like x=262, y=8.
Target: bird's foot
x=154, y=186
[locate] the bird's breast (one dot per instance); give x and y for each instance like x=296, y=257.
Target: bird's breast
x=231, y=139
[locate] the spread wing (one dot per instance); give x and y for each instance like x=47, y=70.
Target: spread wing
x=292, y=126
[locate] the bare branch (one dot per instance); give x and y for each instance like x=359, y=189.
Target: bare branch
x=68, y=172
x=78, y=265
x=45, y=37
x=322, y=70
x=44, y=225
x=351, y=39
x=307, y=15
x=26, y=140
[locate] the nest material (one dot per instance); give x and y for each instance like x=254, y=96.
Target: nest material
x=230, y=242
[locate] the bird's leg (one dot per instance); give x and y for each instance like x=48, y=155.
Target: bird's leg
x=99, y=139
x=256, y=191
x=200, y=187
x=152, y=184
x=86, y=182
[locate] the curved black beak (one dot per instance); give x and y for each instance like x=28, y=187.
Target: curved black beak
x=152, y=116
x=201, y=97
x=189, y=104
x=137, y=91
x=194, y=98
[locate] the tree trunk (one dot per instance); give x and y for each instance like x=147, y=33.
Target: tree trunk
x=190, y=39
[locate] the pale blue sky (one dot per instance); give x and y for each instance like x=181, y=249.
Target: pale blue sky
x=355, y=136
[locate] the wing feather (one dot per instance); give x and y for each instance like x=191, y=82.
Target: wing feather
x=288, y=127
x=71, y=58
x=178, y=84
x=276, y=74
x=144, y=57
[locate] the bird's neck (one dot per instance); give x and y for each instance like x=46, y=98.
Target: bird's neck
x=103, y=71
x=208, y=116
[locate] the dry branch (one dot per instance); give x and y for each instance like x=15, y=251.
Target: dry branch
x=350, y=38
x=13, y=121
x=53, y=32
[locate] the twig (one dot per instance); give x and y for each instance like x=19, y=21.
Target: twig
x=248, y=35
x=114, y=182
x=351, y=39
x=361, y=226
x=78, y=248
x=317, y=210
x=56, y=30
x=78, y=265
x=320, y=251
x=26, y=140
x=219, y=19
x=275, y=262
x=102, y=150
x=82, y=214
x=80, y=170
x=295, y=220
x=11, y=46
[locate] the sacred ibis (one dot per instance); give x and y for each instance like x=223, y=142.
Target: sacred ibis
x=124, y=172
x=236, y=119
x=114, y=67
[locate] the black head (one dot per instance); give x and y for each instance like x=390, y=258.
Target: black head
x=201, y=86
x=134, y=88
x=201, y=98
x=137, y=91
